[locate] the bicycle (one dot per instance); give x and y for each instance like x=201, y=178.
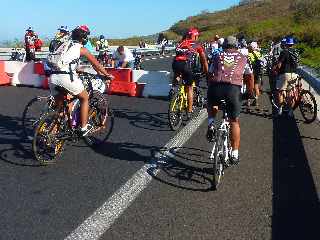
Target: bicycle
x=178, y=104
x=221, y=150
x=57, y=127
x=295, y=96
x=40, y=105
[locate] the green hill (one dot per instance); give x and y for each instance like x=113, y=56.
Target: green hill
x=263, y=21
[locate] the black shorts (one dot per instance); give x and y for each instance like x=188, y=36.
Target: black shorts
x=181, y=67
x=228, y=92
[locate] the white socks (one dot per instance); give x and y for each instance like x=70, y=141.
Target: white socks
x=235, y=154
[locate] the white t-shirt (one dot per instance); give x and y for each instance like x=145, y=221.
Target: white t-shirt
x=126, y=57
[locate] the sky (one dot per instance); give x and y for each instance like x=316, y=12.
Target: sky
x=113, y=18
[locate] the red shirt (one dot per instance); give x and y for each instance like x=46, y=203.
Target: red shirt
x=186, y=48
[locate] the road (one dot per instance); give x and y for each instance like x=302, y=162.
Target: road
x=272, y=194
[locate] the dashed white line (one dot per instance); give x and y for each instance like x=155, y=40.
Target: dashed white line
x=103, y=218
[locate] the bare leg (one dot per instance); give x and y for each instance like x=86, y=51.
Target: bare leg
x=84, y=108
x=190, y=98
x=235, y=134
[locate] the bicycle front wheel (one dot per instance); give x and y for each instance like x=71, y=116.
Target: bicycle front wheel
x=32, y=114
x=47, y=145
x=308, y=106
x=216, y=158
x=175, y=111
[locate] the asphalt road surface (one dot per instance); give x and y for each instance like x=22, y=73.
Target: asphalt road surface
x=272, y=194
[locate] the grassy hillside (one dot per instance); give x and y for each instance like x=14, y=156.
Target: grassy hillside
x=264, y=21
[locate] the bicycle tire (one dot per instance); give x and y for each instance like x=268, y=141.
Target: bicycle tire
x=175, y=118
x=31, y=115
x=303, y=107
x=43, y=136
x=217, y=163
x=101, y=133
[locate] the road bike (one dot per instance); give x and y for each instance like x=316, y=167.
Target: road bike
x=221, y=149
x=295, y=96
x=178, y=105
x=62, y=124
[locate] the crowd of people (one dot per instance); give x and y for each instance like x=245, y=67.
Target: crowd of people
x=229, y=64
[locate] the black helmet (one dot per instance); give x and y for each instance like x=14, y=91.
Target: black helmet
x=80, y=34
x=101, y=37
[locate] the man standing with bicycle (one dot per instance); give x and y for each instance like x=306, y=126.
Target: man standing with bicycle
x=224, y=83
x=285, y=70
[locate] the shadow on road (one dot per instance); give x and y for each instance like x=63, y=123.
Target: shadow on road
x=183, y=169
x=144, y=120
x=17, y=150
x=296, y=206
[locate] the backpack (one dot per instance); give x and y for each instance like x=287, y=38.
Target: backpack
x=57, y=59
x=258, y=65
x=294, y=58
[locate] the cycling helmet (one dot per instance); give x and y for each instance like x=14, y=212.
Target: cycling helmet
x=30, y=29
x=220, y=41
x=290, y=41
x=101, y=37
x=193, y=32
x=80, y=34
x=254, y=45
x=243, y=43
x=63, y=29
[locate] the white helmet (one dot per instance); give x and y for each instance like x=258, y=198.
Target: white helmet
x=221, y=41
x=254, y=45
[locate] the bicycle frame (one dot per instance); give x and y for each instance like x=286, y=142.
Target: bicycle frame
x=183, y=93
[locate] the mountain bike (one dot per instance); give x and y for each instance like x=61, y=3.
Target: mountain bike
x=295, y=96
x=40, y=105
x=221, y=149
x=59, y=126
x=178, y=105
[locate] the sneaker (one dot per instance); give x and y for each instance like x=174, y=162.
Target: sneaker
x=83, y=133
x=210, y=133
x=255, y=103
x=234, y=161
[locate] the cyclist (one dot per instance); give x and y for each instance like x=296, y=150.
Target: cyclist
x=286, y=69
x=62, y=36
x=29, y=39
x=123, y=58
x=256, y=64
x=187, y=52
x=102, y=47
x=224, y=83
x=66, y=76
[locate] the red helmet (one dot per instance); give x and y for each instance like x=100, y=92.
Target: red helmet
x=193, y=32
x=85, y=29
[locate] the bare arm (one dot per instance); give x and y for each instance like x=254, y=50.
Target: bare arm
x=204, y=62
x=94, y=62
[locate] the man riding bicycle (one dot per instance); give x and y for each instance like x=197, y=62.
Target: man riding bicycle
x=63, y=64
x=187, y=52
x=285, y=70
x=224, y=83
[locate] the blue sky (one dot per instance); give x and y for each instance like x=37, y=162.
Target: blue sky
x=113, y=18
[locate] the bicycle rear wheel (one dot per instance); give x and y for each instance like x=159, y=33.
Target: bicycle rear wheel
x=216, y=158
x=33, y=112
x=308, y=106
x=174, y=112
x=46, y=144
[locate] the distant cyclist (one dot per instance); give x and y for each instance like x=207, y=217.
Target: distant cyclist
x=255, y=57
x=63, y=64
x=102, y=47
x=224, y=83
x=61, y=37
x=184, y=64
x=286, y=69
x=123, y=58
x=30, y=39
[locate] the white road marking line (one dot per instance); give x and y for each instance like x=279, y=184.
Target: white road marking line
x=103, y=218
x=154, y=58
x=147, y=59
x=161, y=57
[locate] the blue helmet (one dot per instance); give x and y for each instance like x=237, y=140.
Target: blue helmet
x=101, y=37
x=63, y=29
x=290, y=41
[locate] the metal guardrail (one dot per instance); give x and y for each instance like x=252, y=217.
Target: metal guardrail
x=5, y=53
